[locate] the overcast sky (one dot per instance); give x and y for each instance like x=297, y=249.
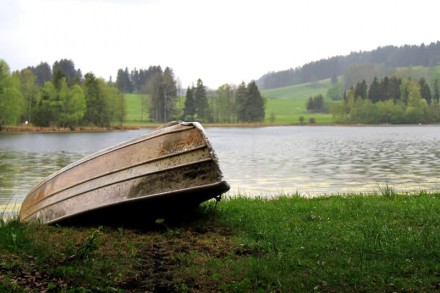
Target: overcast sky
x=219, y=41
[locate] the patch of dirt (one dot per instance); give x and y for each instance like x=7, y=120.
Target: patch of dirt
x=171, y=260
x=30, y=277
x=162, y=264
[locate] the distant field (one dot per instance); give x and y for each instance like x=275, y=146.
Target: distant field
x=134, y=109
x=287, y=104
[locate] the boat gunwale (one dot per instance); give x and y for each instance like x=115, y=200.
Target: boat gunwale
x=148, y=197
x=116, y=183
x=123, y=169
x=111, y=149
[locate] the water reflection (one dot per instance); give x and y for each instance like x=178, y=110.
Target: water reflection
x=27, y=158
x=257, y=161
x=324, y=160
x=19, y=172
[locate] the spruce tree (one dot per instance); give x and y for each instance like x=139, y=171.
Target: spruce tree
x=436, y=96
x=241, y=98
x=425, y=91
x=360, y=90
x=256, y=111
x=374, y=91
x=201, y=102
x=190, y=107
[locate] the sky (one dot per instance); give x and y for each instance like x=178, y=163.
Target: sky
x=218, y=41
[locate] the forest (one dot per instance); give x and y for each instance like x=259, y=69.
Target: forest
x=60, y=96
x=366, y=87
x=160, y=93
x=388, y=100
x=356, y=66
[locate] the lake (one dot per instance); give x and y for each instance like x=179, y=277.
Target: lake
x=264, y=161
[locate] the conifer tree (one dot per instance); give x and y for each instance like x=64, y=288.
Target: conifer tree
x=374, y=91
x=201, y=102
x=250, y=103
x=394, y=88
x=436, y=96
x=241, y=98
x=163, y=91
x=68, y=68
x=360, y=90
x=256, y=103
x=425, y=91
x=190, y=108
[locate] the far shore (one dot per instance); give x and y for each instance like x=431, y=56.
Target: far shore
x=31, y=128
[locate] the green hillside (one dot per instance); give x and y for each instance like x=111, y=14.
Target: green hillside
x=289, y=103
x=286, y=104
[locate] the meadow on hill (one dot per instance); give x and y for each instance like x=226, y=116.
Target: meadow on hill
x=286, y=104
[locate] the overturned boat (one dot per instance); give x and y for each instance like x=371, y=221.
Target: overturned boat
x=170, y=168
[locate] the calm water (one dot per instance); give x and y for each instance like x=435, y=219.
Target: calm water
x=257, y=161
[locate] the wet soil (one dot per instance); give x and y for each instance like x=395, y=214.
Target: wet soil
x=169, y=260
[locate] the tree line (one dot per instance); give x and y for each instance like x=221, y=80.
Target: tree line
x=389, y=100
x=355, y=65
x=132, y=81
x=160, y=89
x=227, y=104
x=58, y=96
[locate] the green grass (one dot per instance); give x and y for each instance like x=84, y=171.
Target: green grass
x=134, y=109
x=298, y=92
x=289, y=103
x=375, y=243
x=340, y=243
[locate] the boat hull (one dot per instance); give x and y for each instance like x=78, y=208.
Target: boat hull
x=173, y=166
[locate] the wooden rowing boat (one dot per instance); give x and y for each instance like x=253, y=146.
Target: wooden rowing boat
x=172, y=167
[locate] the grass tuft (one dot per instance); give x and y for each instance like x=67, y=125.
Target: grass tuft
x=387, y=191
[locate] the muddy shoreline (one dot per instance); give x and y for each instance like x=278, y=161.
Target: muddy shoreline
x=29, y=128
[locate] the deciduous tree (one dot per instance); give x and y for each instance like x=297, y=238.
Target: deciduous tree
x=98, y=107
x=225, y=105
x=73, y=105
x=416, y=104
x=45, y=112
x=11, y=100
x=29, y=90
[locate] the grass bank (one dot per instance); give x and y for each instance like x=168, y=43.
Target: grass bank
x=356, y=243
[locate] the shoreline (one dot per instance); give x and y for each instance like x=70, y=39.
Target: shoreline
x=30, y=128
